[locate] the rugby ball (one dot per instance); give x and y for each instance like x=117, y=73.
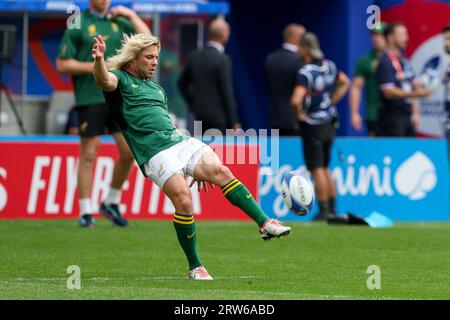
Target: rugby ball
x=298, y=192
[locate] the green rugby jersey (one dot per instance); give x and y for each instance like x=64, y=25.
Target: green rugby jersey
x=366, y=67
x=77, y=44
x=141, y=112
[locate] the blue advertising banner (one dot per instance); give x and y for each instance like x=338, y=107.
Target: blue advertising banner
x=403, y=179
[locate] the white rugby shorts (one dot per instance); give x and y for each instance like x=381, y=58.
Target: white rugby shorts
x=182, y=158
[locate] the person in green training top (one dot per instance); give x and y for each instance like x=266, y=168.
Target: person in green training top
x=75, y=59
x=364, y=76
x=165, y=155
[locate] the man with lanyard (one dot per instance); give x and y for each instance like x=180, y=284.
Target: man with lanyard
x=399, y=116
x=319, y=88
x=95, y=119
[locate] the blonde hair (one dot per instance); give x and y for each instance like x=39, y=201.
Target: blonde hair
x=132, y=47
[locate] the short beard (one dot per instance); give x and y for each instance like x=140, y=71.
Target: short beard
x=141, y=74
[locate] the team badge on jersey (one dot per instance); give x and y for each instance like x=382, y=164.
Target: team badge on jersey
x=375, y=64
x=92, y=30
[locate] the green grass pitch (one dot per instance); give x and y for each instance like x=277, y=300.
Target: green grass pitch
x=144, y=261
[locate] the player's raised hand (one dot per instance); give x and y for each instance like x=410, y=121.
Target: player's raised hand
x=121, y=11
x=99, y=47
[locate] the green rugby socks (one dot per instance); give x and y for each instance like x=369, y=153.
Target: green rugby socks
x=239, y=196
x=185, y=228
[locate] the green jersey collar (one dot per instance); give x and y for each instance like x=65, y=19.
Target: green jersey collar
x=98, y=14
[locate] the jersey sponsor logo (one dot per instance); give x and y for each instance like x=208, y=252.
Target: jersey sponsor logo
x=115, y=27
x=375, y=64
x=92, y=30
x=135, y=85
x=248, y=196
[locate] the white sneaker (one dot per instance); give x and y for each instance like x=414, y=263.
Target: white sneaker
x=199, y=273
x=274, y=229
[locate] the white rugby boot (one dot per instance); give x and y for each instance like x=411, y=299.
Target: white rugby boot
x=274, y=229
x=199, y=273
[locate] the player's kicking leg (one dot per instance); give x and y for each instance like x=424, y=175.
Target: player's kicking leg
x=210, y=169
x=178, y=191
x=109, y=208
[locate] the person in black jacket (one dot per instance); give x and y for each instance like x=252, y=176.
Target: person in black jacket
x=206, y=82
x=281, y=74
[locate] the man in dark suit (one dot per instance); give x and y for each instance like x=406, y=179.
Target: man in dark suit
x=206, y=81
x=281, y=73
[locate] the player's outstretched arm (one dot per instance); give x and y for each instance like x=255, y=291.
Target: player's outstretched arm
x=104, y=79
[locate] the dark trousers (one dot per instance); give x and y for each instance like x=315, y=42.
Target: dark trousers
x=288, y=132
x=372, y=128
x=395, y=125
